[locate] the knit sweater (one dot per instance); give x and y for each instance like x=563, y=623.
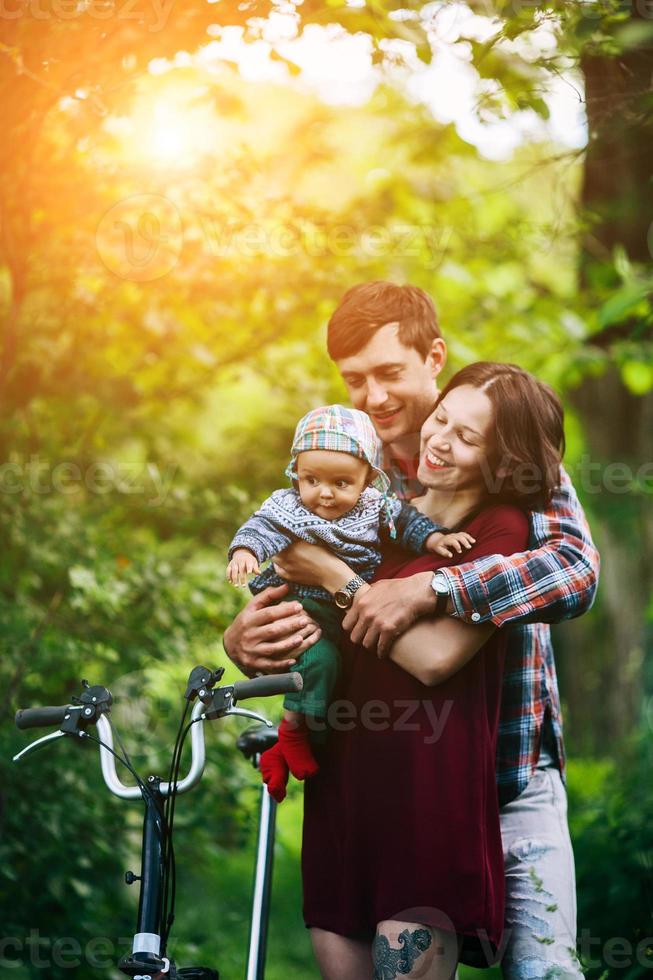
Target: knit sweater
x=356, y=537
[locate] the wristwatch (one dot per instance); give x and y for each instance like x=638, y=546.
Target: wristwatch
x=440, y=586
x=345, y=596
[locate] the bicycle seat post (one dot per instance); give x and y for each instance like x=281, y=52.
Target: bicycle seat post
x=252, y=743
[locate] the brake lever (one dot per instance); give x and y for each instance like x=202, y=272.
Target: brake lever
x=39, y=743
x=245, y=713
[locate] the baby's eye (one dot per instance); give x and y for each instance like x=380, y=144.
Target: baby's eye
x=342, y=484
x=311, y=480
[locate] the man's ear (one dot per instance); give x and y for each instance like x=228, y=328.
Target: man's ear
x=437, y=356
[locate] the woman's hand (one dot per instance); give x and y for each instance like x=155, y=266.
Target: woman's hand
x=310, y=564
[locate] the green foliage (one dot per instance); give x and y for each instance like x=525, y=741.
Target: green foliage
x=143, y=419
x=610, y=819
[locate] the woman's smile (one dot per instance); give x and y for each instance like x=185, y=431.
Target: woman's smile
x=435, y=462
x=455, y=440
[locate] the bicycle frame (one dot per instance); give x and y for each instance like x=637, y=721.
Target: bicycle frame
x=147, y=961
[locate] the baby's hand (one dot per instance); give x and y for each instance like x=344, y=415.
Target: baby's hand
x=442, y=544
x=242, y=564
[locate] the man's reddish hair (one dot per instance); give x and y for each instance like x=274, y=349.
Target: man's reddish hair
x=366, y=308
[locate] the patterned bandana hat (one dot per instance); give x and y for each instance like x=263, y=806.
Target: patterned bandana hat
x=344, y=430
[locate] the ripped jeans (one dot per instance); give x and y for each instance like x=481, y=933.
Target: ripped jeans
x=540, y=936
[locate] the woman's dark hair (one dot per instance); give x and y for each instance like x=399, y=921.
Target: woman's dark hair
x=527, y=441
x=366, y=308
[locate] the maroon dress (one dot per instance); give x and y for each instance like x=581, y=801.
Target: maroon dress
x=402, y=820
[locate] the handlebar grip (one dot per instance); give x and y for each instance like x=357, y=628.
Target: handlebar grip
x=261, y=687
x=41, y=717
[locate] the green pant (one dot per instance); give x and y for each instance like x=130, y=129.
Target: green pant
x=320, y=664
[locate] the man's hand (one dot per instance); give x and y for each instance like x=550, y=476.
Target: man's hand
x=269, y=637
x=387, y=609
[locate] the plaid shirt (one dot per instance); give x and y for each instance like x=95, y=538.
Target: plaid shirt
x=555, y=580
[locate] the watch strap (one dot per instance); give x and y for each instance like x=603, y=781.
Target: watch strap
x=352, y=587
x=441, y=595
x=441, y=603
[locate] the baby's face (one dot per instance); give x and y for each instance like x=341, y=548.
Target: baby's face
x=330, y=483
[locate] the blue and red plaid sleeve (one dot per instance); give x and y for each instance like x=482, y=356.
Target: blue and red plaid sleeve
x=555, y=579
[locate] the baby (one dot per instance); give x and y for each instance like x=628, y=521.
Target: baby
x=339, y=499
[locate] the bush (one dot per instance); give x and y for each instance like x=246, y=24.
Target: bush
x=611, y=810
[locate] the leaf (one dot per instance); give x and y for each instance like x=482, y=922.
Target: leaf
x=635, y=34
x=637, y=376
x=616, y=308
x=622, y=262
x=587, y=26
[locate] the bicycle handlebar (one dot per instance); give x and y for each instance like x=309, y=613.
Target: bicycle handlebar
x=43, y=717
x=97, y=700
x=260, y=687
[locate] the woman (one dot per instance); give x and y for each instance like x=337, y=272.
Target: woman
x=402, y=858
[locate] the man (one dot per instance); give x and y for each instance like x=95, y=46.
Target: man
x=386, y=342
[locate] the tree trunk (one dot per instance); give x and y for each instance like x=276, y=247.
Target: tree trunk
x=605, y=666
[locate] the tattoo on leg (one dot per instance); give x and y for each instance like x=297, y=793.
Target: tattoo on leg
x=390, y=963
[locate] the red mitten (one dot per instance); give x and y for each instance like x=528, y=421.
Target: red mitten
x=294, y=742
x=274, y=770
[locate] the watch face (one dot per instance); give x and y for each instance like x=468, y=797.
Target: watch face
x=342, y=599
x=440, y=585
